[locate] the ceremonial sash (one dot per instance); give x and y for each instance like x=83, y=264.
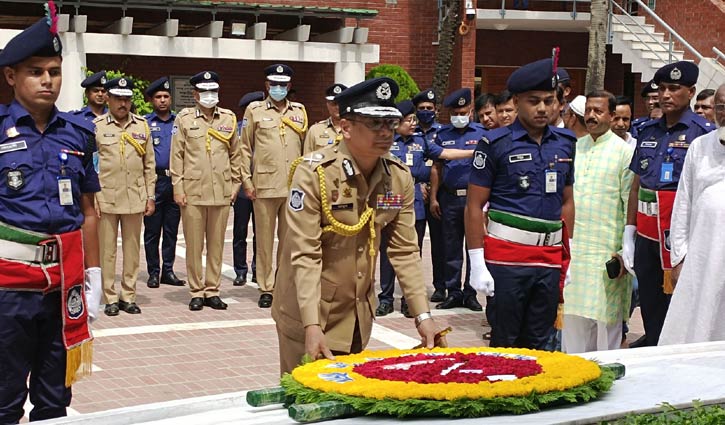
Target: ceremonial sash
x=657, y=228
x=66, y=274
x=647, y=224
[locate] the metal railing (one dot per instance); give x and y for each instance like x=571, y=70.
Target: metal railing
x=573, y=13
x=615, y=17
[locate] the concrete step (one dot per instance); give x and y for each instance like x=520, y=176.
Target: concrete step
x=624, y=26
x=655, y=37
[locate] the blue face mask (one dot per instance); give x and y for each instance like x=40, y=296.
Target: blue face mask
x=425, y=116
x=278, y=92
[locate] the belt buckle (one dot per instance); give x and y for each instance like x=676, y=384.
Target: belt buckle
x=547, y=238
x=167, y=172
x=49, y=251
x=461, y=192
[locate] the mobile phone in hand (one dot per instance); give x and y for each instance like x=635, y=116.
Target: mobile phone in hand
x=614, y=266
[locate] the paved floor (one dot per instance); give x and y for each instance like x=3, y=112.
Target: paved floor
x=169, y=352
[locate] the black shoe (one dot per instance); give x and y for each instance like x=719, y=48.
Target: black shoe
x=215, y=302
x=438, y=296
x=641, y=342
x=171, y=279
x=196, y=304
x=254, y=277
x=130, y=308
x=265, y=301
x=240, y=281
x=450, y=302
x=384, y=309
x=153, y=281
x=405, y=311
x=111, y=309
x=472, y=303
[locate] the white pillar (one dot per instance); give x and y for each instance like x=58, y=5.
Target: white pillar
x=349, y=73
x=71, y=93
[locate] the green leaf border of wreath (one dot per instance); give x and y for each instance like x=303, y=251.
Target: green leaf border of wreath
x=461, y=408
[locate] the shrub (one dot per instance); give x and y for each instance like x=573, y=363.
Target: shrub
x=408, y=87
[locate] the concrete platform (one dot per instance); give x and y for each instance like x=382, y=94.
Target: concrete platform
x=675, y=374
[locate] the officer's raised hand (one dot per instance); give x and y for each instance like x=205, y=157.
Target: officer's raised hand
x=315, y=343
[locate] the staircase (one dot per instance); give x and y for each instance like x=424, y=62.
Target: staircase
x=647, y=50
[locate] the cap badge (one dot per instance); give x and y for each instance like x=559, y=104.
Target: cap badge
x=103, y=80
x=675, y=74
x=654, y=86
x=280, y=69
x=122, y=82
x=166, y=84
x=461, y=101
x=554, y=81
x=383, y=92
x=207, y=76
x=431, y=95
x=337, y=90
x=56, y=44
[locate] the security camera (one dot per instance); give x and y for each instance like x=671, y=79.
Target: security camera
x=470, y=13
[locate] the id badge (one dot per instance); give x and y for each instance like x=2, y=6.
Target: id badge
x=65, y=191
x=551, y=178
x=409, y=159
x=666, y=172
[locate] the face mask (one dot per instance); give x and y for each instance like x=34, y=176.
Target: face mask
x=459, y=121
x=425, y=116
x=278, y=92
x=208, y=99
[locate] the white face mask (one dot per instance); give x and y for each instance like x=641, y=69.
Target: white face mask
x=459, y=121
x=208, y=99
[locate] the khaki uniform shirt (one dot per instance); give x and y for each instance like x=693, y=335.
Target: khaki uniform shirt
x=321, y=135
x=204, y=166
x=127, y=174
x=326, y=278
x=271, y=145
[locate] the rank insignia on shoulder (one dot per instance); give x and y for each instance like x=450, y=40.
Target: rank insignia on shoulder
x=296, y=200
x=12, y=132
x=390, y=201
x=485, y=140
x=524, y=182
x=315, y=157
x=15, y=179
x=348, y=168
x=479, y=160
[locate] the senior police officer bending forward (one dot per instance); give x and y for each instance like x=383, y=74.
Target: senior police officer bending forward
x=46, y=194
x=341, y=198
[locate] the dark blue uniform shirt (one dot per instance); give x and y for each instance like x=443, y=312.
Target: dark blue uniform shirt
x=416, y=153
x=30, y=167
x=515, y=168
x=658, y=146
x=456, y=172
x=86, y=113
x=161, y=137
x=429, y=134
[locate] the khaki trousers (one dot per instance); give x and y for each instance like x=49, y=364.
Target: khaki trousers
x=108, y=246
x=202, y=222
x=267, y=212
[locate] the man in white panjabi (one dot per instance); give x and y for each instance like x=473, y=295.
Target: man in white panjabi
x=698, y=246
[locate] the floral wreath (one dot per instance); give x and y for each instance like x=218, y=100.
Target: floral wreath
x=453, y=382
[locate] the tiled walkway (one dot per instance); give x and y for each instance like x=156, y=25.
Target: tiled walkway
x=169, y=352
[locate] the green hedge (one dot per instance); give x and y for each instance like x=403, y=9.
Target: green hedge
x=141, y=106
x=698, y=415
x=408, y=87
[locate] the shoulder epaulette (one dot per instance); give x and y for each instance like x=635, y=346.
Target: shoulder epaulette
x=139, y=117
x=225, y=111
x=389, y=157
x=565, y=132
x=318, y=157
x=648, y=123
x=297, y=105
x=703, y=123
x=99, y=119
x=255, y=104
x=78, y=121
x=185, y=111
x=497, y=134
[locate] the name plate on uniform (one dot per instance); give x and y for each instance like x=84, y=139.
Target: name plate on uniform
x=14, y=146
x=520, y=157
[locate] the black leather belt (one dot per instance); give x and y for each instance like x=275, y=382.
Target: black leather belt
x=455, y=192
x=163, y=172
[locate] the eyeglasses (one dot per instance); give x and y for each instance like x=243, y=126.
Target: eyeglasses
x=720, y=107
x=377, y=124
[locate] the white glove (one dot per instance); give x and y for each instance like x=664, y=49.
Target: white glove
x=630, y=231
x=481, y=279
x=567, y=278
x=93, y=291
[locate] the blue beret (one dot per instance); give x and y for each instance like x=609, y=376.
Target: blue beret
x=250, y=97
x=121, y=86
x=279, y=72
x=96, y=80
x=425, y=96
x=458, y=98
x=562, y=75
x=334, y=90
x=650, y=87
x=371, y=98
x=537, y=75
x=36, y=40
x=406, y=107
x=682, y=72
x=205, y=80
x=162, y=84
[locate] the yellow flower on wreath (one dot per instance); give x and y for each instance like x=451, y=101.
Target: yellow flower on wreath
x=559, y=372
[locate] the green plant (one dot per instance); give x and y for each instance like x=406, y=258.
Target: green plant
x=408, y=87
x=670, y=415
x=139, y=102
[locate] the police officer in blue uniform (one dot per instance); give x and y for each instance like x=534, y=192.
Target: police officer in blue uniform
x=525, y=172
x=425, y=104
x=460, y=134
x=650, y=95
x=167, y=215
x=657, y=163
x=243, y=212
x=47, y=185
x=95, y=95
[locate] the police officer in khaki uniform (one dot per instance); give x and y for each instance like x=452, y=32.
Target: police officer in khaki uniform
x=205, y=163
x=324, y=297
x=272, y=136
x=127, y=173
x=327, y=131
